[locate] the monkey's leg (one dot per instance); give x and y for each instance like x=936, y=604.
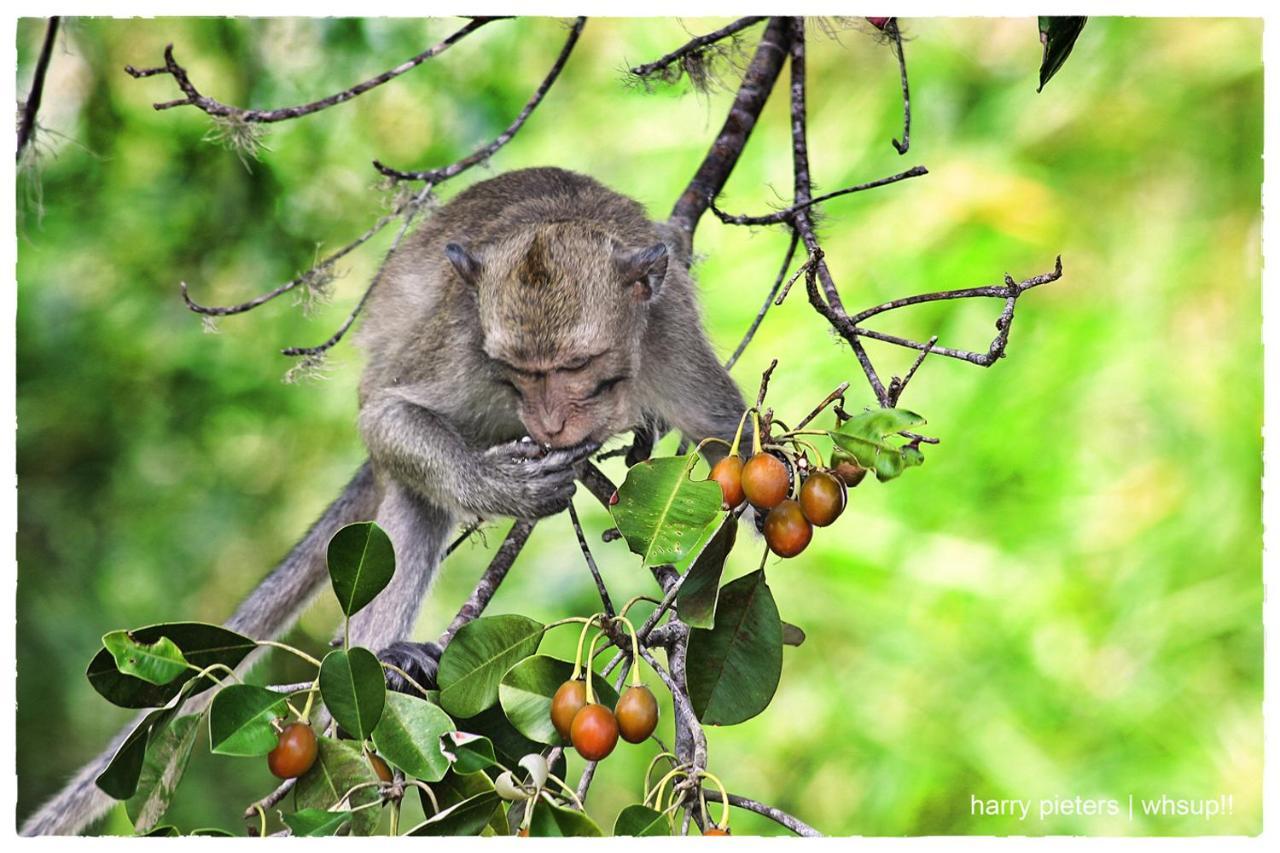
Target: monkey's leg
x=418, y=531
x=268, y=611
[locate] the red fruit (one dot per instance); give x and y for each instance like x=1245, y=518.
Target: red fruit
x=294, y=753
x=822, y=498
x=594, y=732
x=728, y=473
x=565, y=705
x=715, y=830
x=786, y=529
x=765, y=480
x=524, y=832
x=879, y=23
x=637, y=714
x=380, y=767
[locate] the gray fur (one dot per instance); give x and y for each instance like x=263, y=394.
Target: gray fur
x=535, y=303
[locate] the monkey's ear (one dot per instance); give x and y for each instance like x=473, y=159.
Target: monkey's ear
x=467, y=264
x=644, y=269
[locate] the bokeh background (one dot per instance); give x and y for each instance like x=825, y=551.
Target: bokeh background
x=1064, y=601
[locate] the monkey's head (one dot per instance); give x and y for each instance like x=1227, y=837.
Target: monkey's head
x=563, y=310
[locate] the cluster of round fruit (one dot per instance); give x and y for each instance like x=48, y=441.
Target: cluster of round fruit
x=767, y=482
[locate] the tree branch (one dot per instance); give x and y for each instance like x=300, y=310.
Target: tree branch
x=591, y=562
x=895, y=32
x=218, y=109
x=787, y=214
x=31, y=106
x=490, y=580
x=691, y=49
x=794, y=824
x=768, y=300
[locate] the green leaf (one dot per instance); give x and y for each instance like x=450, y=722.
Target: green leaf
x=555, y=822
x=468, y=817
x=526, y=692
x=865, y=436
x=1058, y=34
x=339, y=767
x=240, y=720
x=361, y=563
x=354, y=690
x=638, y=820
x=166, y=831
x=733, y=669
x=120, y=777
x=456, y=787
x=167, y=753
x=155, y=663
x=408, y=736
x=467, y=752
x=202, y=645
x=478, y=656
x=507, y=740
x=211, y=832
x=696, y=599
x=661, y=512
x=315, y=822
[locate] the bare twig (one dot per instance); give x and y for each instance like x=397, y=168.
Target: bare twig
x=764, y=382
x=484, y=152
x=694, y=47
x=218, y=109
x=787, y=214
x=591, y=562
x=792, y=823
x=271, y=799
x=896, y=33
x=31, y=106
x=757, y=83
x=896, y=385
x=768, y=300
x=490, y=580
x=837, y=394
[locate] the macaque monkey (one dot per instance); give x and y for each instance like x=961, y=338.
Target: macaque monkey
x=529, y=320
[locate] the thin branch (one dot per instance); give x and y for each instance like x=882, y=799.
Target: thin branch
x=788, y=214
x=490, y=580
x=218, y=109
x=896, y=385
x=837, y=394
x=483, y=153
x=271, y=799
x=896, y=33
x=591, y=562
x=794, y=824
x=805, y=269
x=31, y=107
x=757, y=83
x=693, y=47
x=764, y=382
x=768, y=300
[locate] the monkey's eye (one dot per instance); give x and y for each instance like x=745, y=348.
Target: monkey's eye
x=606, y=385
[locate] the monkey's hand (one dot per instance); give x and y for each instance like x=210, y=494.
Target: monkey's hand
x=421, y=661
x=524, y=480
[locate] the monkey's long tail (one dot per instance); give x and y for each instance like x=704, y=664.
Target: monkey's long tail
x=269, y=611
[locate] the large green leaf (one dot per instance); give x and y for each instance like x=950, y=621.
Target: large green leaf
x=168, y=751
x=866, y=436
x=315, y=822
x=468, y=753
x=638, y=820
x=456, y=787
x=339, y=767
x=361, y=563
x=155, y=663
x=526, y=692
x=478, y=656
x=468, y=817
x=1058, y=35
x=556, y=822
x=696, y=599
x=408, y=736
x=240, y=720
x=733, y=669
x=202, y=645
x=507, y=740
x=661, y=512
x=354, y=690
x=119, y=779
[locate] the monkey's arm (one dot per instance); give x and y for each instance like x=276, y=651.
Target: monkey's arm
x=423, y=451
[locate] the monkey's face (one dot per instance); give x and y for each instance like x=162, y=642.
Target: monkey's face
x=563, y=312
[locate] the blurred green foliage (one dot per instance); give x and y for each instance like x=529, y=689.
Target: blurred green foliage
x=1065, y=600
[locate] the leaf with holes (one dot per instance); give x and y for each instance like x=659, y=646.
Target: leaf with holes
x=202, y=645
x=478, y=656
x=361, y=563
x=866, y=436
x=467, y=752
x=732, y=670
x=661, y=512
x=354, y=690
x=155, y=663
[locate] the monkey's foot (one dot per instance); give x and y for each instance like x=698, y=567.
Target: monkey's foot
x=420, y=660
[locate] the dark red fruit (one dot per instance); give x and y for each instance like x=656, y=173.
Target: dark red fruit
x=594, y=732
x=380, y=767
x=637, y=714
x=565, y=705
x=786, y=529
x=846, y=467
x=822, y=498
x=765, y=480
x=524, y=832
x=294, y=753
x=715, y=830
x=728, y=473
